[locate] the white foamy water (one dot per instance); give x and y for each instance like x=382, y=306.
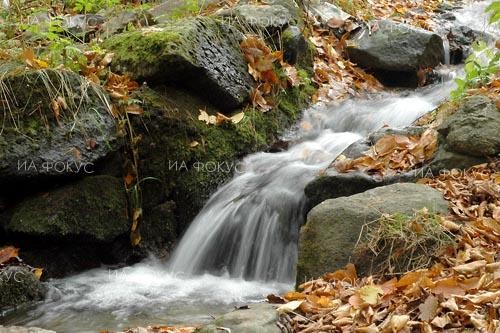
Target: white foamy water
x=243, y=244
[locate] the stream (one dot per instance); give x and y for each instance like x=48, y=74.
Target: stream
x=243, y=244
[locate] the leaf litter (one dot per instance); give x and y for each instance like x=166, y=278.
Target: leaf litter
x=460, y=292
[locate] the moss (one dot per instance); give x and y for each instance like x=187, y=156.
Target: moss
x=94, y=207
x=190, y=174
x=169, y=47
x=138, y=52
x=17, y=286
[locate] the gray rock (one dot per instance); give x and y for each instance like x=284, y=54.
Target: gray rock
x=395, y=51
x=118, y=23
x=36, y=143
x=295, y=47
x=20, y=329
x=18, y=286
x=264, y=17
x=260, y=318
x=333, y=184
x=201, y=54
x=328, y=238
x=158, y=228
x=82, y=24
x=469, y=136
x=93, y=209
x=474, y=129
x=324, y=11
x=460, y=41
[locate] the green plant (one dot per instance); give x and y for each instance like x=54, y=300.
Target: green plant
x=398, y=243
x=93, y=6
x=190, y=8
x=494, y=10
x=479, y=68
x=483, y=63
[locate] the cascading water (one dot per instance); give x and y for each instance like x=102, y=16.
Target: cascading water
x=242, y=245
x=249, y=228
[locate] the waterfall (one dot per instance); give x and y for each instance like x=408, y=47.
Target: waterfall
x=249, y=227
x=446, y=47
x=243, y=244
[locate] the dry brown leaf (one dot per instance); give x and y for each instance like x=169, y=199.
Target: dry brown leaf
x=8, y=253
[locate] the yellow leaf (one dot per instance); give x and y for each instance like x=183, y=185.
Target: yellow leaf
x=208, y=119
x=194, y=144
x=237, y=117
x=370, y=294
x=289, y=307
x=399, y=322
x=135, y=238
x=294, y=295
x=37, y=272
x=136, y=216
x=134, y=109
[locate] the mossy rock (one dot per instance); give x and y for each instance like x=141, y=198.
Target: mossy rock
x=93, y=209
x=201, y=54
x=54, y=123
x=468, y=136
x=185, y=173
x=328, y=239
x=18, y=286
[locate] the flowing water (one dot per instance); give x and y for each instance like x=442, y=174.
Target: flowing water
x=243, y=244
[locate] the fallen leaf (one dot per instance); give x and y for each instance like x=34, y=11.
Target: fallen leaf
x=470, y=267
x=289, y=307
x=37, y=272
x=274, y=299
x=237, y=117
x=428, y=309
x=8, y=253
x=370, y=294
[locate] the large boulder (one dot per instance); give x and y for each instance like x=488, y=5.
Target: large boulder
x=93, y=209
x=328, y=239
x=54, y=123
x=201, y=54
x=469, y=136
x=333, y=184
x=73, y=227
x=258, y=318
x=396, y=51
x=268, y=17
x=18, y=286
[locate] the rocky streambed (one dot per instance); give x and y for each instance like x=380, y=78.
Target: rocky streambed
x=63, y=201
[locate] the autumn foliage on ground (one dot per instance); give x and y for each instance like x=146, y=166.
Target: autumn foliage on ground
x=460, y=291
x=392, y=154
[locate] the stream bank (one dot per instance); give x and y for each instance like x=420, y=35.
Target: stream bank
x=312, y=149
